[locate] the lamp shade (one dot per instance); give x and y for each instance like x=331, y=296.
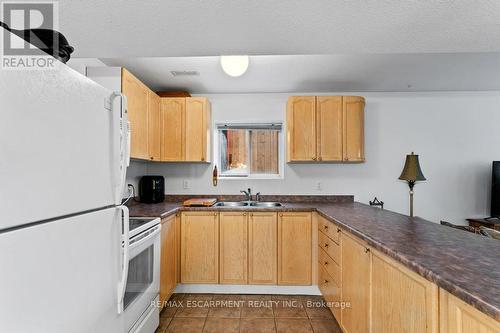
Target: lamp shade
x=411, y=171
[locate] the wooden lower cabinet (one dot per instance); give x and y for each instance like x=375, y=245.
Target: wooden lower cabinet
x=458, y=317
x=401, y=300
x=356, y=267
x=294, y=248
x=200, y=247
x=262, y=248
x=330, y=290
x=168, y=258
x=233, y=247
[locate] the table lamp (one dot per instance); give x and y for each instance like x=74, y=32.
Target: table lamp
x=412, y=173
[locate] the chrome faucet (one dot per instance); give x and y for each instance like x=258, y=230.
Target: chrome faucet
x=248, y=194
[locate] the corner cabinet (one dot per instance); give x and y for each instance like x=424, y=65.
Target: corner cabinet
x=325, y=129
x=186, y=126
x=294, y=248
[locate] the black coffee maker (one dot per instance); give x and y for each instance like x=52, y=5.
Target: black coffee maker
x=152, y=189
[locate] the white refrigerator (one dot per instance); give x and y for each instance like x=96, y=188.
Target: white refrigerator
x=63, y=157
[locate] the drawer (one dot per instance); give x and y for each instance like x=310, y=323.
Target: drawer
x=331, y=292
x=331, y=266
x=330, y=247
x=329, y=229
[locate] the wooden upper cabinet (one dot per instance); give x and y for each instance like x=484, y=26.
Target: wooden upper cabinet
x=137, y=97
x=172, y=128
x=197, y=129
x=329, y=127
x=262, y=248
x=200, y=247
x=354, y=128
x=409, y=300
x=154, y=126
x=233, y=247
x=185, y=126
x=356, y=267
x=168, y=258
x=301, y=128
x=457, y=316
x=325, y=129
x=294, y=248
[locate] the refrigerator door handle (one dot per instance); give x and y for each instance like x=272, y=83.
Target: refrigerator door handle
x=122, y=127
x=125, y=257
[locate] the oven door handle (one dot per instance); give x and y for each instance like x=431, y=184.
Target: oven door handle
x=153, y=233
x=125, y=257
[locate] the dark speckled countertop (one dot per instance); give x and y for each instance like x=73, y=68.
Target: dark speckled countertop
x=464, y=264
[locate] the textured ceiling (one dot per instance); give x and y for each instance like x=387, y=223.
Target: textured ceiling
x=114, y=28
x=322, y=73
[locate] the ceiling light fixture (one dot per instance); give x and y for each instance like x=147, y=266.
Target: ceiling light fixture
x=234, y=65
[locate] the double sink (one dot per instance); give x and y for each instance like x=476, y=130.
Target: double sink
x=249, y=204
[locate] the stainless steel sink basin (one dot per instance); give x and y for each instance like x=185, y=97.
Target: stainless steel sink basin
x=249, y=204
x=266, y=204
x=231, y=204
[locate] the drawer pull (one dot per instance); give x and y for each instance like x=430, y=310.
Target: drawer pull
x=367, y=250
x=326, y=244
x=338, y=230
x=326, y=227
x=325, y=281
x=326, y=263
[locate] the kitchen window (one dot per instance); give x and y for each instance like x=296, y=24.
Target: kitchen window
x=249, y=150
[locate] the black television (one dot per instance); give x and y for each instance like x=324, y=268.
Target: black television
x=495, y=190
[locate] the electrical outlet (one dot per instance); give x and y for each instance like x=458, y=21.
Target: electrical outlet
x=186, y=184
x=319, y=186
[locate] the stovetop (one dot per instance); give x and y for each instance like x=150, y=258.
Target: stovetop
x=140, y=224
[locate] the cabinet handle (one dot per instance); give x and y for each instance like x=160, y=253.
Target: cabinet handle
x=326, y=244
x=203, y=158
x=325, y=281
x=320, y=159
x=367, y=250
x=281, y=214
x=244, y=214
x=152, y=158
x=326, y=263
x=215, y=214
x=338, y=230
x=251, y=214
x=314, y=158
x=326, y=227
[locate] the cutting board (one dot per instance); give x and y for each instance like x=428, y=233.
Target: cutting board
x=203, y=202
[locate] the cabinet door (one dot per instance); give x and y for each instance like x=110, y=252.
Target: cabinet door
x=354, y=128
x=196, y=124
x=355, y=286
x=458, y=317
x=168, y=263
x=154, y=126
x=294, y=248
x=262, y=248
x=301, y=128
x=233, y=247
x=402, y=301
x=200, y=247
x=137, y=98
x=329, y=128
x=172, y=129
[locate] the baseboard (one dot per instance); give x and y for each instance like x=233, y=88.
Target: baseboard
x=246, y=289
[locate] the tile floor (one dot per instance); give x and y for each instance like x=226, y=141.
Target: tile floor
x=186, y=313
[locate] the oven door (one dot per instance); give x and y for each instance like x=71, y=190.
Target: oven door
x=143, y=279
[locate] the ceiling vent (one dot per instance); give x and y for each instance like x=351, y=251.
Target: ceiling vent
x=184, y=73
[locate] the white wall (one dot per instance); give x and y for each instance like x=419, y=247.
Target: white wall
x=456, y=135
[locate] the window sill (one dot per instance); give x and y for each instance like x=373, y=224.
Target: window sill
x=251, y=177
